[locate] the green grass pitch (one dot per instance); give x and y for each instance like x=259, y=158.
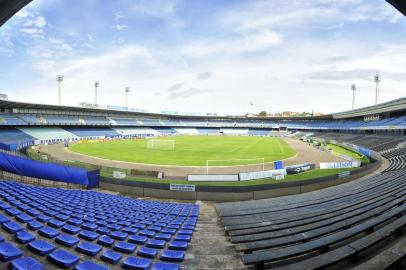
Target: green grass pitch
x=191, y=150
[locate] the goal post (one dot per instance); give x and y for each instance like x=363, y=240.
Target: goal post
x=260, y=162
x=161, y=144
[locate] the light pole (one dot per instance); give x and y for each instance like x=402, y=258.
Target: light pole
x=354, y=89
x=96, y=86
x=377, y=80
x=59, y=79
x=127, y=90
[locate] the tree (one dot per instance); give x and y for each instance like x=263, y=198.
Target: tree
x=262, y=113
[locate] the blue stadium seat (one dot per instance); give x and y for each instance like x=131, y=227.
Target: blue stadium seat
x=111, y=257
x=9, y=252
x=62, y=217
x=24, y=237
x=56, y=223
x=173, y=226
x=182, y=237
x=74, y=222
x=139, y=226
x=49, y=232
x=178, y=245
x=89, y=219
x=137, y=239
x=88, y=235
x=169, y=231
x=155, y=228
x=103, y=230
x=63, y=258
x=147, y=233
x=95, y=217
x=147, y=252
x=24, y=218
x=43, y=218
x=165, y=266
x=41, y=247
x=70, y=229
x=4, y=205
x=105, y=240
x=163, y=236
x=172, y=256
x=88, y=248
x=4, y=219
x=26, y=263
x=67, y=240
x=13, y=211
x=186, y=232
x=118, y=235
x=136, y=263
x=89, y=265
x=12, y=227
x=155, y=243
x=35, y=225
x=89, y=226
x=130, y=230
x=33, y=212
x=114, y=227
x=125, y=247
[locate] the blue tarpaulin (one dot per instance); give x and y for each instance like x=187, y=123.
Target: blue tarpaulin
x=364, y=151
x=48, y=171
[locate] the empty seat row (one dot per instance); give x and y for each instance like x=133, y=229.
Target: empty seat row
x=64, y=225
x=322, y=228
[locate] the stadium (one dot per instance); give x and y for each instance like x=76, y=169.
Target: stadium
x=111, y=187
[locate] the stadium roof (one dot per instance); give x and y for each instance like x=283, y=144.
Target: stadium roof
x=10, y=7
x=386, y=107
x=399, y=4
x=10, y=105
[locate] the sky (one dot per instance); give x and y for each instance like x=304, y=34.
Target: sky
x=206, y=56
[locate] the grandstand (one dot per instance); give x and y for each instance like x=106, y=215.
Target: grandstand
x=325, y=228
x=390, y=119
x=72, y=228
x=49, y=220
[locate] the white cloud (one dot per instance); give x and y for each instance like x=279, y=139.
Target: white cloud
x=260, y=51
x=118, y=16
x=37, y=22
x=119, y=27
x=175, y=87
x=161, y=9
x=45, y=65
x=34, y=32
x=204, y=75
x=52, y=48
x=248, y=41
x=191, y=92
x=117, y=56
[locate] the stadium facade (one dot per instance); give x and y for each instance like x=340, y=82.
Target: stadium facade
x=23, y=124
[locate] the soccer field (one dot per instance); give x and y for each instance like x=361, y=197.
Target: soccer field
x=191, y=150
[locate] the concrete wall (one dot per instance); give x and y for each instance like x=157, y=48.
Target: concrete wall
x=232, y=193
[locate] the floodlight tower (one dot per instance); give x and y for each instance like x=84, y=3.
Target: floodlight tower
x=377, y=80
x=96, y=87
x=127, y=90
x=354, y=90
x=59, y=79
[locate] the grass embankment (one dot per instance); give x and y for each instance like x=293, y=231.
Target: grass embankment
x=348, y=152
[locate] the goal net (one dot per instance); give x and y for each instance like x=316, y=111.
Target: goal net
x=161, y=144
x=256, y=164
